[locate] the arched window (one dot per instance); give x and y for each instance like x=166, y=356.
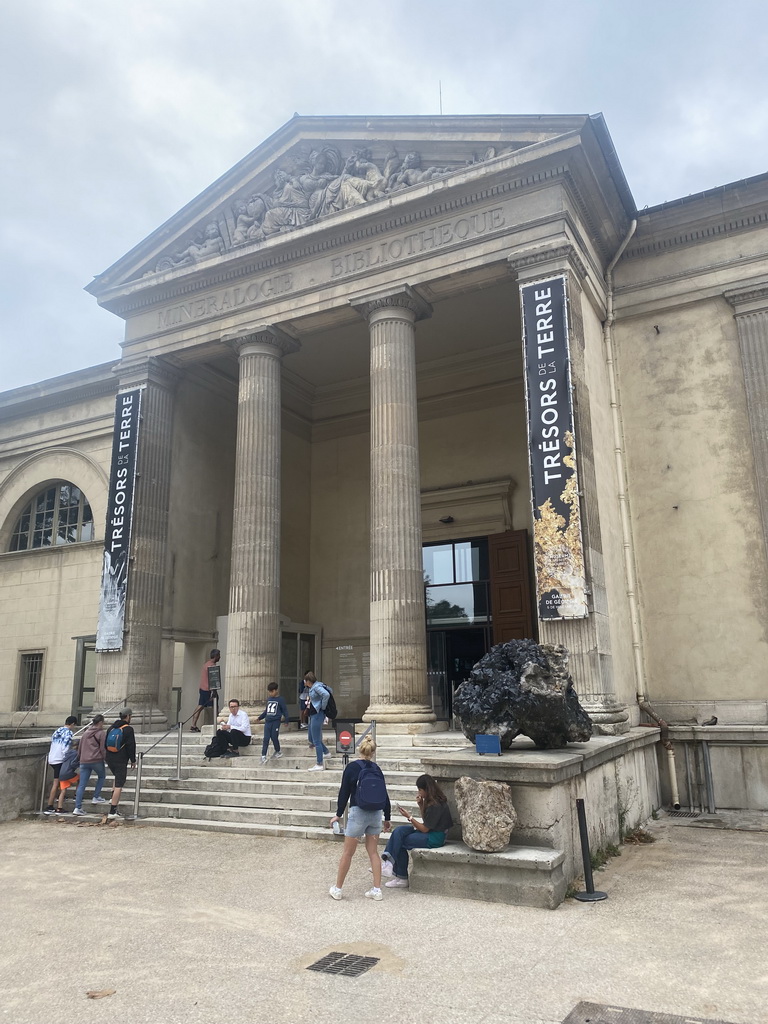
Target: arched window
x=60, y=514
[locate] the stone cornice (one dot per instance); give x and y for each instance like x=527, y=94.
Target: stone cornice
x=696, y=235
x=402, y=297
x=27, y=405
x=265, y=335
x=751, y=298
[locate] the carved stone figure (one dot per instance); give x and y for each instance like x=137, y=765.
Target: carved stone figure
x=521, y=687
x=410, y=173
x=487, y=813
x=209, y=243
x=318, y=184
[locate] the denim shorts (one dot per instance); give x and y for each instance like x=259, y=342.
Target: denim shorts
x=363, y=823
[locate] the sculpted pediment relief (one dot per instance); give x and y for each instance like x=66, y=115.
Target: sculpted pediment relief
x=309, y=186
x=315, y=169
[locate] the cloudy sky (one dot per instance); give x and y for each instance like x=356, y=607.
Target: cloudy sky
x=115, y=113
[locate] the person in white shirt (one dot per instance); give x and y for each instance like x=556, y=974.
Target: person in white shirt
x=61, y=741
x=234, y=733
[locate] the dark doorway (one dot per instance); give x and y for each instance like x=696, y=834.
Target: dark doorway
x=452, y=654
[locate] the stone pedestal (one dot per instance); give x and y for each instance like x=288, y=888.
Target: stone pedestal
x=133, y=674
x=253, y=635
x=399, y=691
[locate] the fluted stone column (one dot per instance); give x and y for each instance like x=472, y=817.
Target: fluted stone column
x=750, y=306
x=253, y=631
x=399, y=690
x=134, y=672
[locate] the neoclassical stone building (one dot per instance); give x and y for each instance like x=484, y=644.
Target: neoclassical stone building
x=332, y=468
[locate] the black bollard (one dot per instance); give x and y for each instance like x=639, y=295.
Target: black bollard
x=591, y=895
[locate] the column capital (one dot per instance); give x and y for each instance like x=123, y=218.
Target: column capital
x=751, y=297
x=261, y=337
x=152, y=370
x=400, y=297
x=531, y=262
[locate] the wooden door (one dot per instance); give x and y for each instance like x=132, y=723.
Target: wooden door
x=511, y=601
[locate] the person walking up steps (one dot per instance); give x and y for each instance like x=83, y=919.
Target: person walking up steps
x=205, y=697
x=92, y=753
x=272, y=715
x=61, y=742
x=121, y=748
x=319, y=696
x=364, y=787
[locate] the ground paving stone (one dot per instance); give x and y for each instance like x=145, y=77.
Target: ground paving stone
x=194, y=927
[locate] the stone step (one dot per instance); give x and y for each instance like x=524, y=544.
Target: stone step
x=411, y=765
x=235, y=769
x=173, y=808
x=261, y=787
x=286, y=801
x=241, y=828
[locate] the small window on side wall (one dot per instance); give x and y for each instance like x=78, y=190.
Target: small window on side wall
x=59, y=514
x=30, y=680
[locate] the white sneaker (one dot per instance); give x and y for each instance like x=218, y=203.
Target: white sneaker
x=387, y=868
x=99, y=800
x=264, y=759
x=316, y=768
x=278, y=754
x=79, y=810
x=375, y=894
x=397, y=883
x=334, y=893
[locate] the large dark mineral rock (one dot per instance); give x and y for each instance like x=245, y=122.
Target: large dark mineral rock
x=523, y=687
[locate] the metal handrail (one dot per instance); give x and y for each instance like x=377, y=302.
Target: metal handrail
x=179, y=727
x=75, y=735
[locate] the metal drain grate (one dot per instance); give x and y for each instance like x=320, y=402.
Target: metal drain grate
x=596, y=1013
x=348, y=965
x=683, y=814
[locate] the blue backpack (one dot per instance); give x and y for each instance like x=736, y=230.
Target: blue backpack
x=115, y=739
x=371, y=787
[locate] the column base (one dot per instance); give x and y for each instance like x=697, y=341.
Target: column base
x=144, y=719
x=608, y=719
x=399, y=714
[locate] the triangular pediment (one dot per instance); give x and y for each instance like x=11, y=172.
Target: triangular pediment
x=316, y=168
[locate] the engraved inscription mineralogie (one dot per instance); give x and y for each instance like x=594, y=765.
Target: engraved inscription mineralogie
x=224, y=301
x=419, y=243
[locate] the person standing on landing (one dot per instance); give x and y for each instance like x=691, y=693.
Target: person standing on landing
x=317, y=702
x=61, y=743
x=92, y=752
x=428, y=833
x=272, y=715
x=121, y=748
x=205, y=696
x=364, y=787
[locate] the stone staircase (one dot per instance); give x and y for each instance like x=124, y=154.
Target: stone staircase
x=279, y=798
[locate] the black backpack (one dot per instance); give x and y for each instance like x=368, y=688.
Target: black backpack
x=371, y=793
x=331, y=711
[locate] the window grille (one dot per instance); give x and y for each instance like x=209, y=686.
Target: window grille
x=60, y=514
x=31, y=677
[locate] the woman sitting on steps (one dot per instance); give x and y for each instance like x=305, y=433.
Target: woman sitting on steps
x=428, y=833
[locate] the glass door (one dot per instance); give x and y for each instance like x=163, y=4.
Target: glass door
x=299, y=653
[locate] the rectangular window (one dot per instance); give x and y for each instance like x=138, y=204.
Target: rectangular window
x=31, y=675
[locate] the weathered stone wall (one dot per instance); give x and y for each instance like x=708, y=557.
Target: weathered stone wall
x=21, y=764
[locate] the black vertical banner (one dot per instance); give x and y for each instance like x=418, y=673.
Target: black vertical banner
x=558, y=551
x=117, y=535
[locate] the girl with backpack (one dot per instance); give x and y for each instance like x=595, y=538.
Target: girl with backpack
x=363, y=785
x=429, y=833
